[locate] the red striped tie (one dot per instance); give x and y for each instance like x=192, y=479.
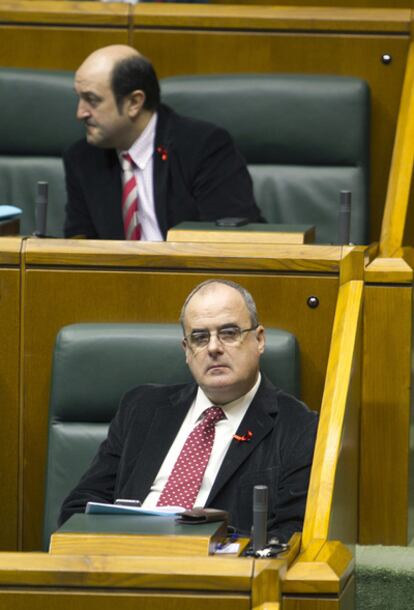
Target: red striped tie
x=186, y=477
x=132, y=227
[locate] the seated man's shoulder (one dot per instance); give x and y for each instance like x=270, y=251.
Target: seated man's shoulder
x=155, y=394
x=82, y=152
x=186, y=125
x=294, y=412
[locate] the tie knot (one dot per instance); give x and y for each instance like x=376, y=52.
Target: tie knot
x=212, y=415
x=127, y=162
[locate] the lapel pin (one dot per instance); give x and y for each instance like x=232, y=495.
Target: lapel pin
x=162, y=151
x=243, y=438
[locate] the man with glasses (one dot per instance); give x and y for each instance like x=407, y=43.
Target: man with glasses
x=210, y=442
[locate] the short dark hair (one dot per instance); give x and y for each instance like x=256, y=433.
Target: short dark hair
x=247, y=297
x=135, y=72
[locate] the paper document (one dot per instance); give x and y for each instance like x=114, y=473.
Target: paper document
x=96, y=508
x=9, y=211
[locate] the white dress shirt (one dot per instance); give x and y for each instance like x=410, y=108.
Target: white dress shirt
x=225, y=429
x=142, y=153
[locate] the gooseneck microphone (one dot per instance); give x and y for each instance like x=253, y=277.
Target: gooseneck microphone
x=345, y=217
x=41, y=202
x=260, y=499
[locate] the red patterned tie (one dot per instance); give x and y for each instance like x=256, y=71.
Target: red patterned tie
x=129, y=199
x=186, y=477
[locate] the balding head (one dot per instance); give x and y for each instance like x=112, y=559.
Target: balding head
x=118, y=91
x=103, y=60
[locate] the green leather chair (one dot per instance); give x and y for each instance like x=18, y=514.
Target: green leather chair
x=94, y=364
x=37, y=122
x=305, y=138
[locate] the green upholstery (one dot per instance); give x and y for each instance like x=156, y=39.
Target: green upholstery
x=384, y=577
x=305, y=138
x=37, y=122
x=94, y=364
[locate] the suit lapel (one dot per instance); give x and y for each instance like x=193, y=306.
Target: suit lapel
x=162, y=160
x=161, y=435
x=107, y=195
x=259, y=420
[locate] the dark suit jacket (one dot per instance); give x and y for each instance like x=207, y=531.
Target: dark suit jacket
x=204, y=177
x=278, y=455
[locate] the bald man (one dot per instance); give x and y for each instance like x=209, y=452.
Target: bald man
x=263, y=435
x=181, y=169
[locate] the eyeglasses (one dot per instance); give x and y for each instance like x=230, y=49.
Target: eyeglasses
x=229, y=336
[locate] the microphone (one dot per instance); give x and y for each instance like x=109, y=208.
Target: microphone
x=41, y=202
x=259, y=517
x=345, y=217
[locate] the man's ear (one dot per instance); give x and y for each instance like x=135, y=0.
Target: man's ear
x=184, y=346
x=261, y=339
x=135, y=102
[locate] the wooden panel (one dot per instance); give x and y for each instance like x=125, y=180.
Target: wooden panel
x=56, y=48
x=345, y=601
x=9, y=388
x=68, y=600
x=9, y=391
x=385, y=415
x=148, y=296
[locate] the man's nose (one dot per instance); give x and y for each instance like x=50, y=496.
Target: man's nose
x=82, y=111
x=214, y=344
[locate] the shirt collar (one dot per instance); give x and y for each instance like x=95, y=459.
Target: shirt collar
x=231, y=409
x=143, y=148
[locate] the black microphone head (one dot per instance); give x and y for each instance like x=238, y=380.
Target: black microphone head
x=345, y=200
x=41, y=202
x=42, y=191
x=260, y=497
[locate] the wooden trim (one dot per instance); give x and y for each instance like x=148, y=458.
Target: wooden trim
x=49, y=12
x=175, y=573
x=389, y=271
x=10, y=248
x=399, y=184
x=327, y=570
x=242, y=237
x=168, y=255
x=334, y=403
x=276, y=18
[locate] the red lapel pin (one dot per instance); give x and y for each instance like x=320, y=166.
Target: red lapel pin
x=244, y=438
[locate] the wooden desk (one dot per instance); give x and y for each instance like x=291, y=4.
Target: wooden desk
x=87, y=582
x=252, y=233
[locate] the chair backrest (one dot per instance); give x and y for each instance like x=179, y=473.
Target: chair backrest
x=305, y=138
x=37, y=122
x=94, y=364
